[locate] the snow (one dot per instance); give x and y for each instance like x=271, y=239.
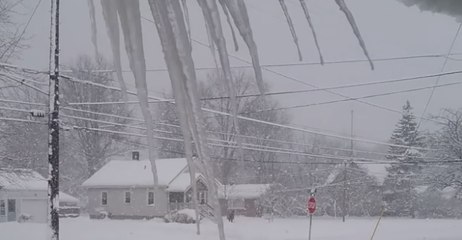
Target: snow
x=243, y=228
x=22, y=179
x=117, y=173
x=244, y=191
x=64, y=197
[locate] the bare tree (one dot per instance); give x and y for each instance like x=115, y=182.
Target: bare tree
x=11, y=37
x=93, y=146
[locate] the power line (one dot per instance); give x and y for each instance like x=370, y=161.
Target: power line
x=240, y=116
x=363, y=84
x=246, y=118
x=355, y=98
x=439, y=77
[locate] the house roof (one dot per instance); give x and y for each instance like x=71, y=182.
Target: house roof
x=22, y=179
x=243, y=191
x=120, y=173
x=182, y=182
x=64, y=197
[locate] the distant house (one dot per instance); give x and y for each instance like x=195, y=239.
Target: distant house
x=125, y=188
x=244, y=199
x=22, y=193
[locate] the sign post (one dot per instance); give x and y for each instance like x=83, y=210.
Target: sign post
x=311, y=207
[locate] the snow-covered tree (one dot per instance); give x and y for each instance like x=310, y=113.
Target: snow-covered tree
x=405, y=153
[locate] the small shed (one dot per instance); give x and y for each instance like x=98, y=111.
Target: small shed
x=23, y=192
x=243, y=199
x=69, y=206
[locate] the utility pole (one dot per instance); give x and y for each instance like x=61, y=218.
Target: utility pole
x=345, y=178
x=53, y=140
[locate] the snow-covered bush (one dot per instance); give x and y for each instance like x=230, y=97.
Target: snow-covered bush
x=24, y=217
x=181, y=216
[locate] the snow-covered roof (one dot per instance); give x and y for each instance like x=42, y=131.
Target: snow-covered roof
x=182, y=182
x=244, y=191
x=421, y=189
x=449, y=192
x=64, y=197
x=133, y=173
x=22, y=179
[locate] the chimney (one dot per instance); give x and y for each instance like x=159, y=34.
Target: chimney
x=136, y=155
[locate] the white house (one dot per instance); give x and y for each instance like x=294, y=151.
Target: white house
x=125, y=188
x=22, y=193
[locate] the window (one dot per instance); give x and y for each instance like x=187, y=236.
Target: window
x=150, y=198
x=128, y=198
x=2, y=208
x=104, y=198
x=202, y=197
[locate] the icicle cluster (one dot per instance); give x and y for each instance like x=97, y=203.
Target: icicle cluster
x=343, y=7
x=172, y=24
x=130, y=20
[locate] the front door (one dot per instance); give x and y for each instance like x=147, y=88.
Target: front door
x=11, y=214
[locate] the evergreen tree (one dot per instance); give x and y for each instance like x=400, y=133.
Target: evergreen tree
x=399, y=195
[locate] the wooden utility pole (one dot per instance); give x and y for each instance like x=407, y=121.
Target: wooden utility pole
x=53, y=141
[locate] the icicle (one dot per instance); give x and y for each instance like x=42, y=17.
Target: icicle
x=228, y=19
x=175, y=73
x=308, y=18
x=212, y=18
x=130, y=19
x=211, y=46
x=94, y=40
x=186, y=17
x=343, y=7
x=291, y=27
x=177, y=53
x=112, y=25
x=238, y=11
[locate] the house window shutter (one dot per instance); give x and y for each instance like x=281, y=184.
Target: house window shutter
x=2, y=208
x=104, y=198
x=128, y=197
x=150, y=198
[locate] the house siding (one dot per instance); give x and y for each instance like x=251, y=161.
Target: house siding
x=31, y=202
x=117, y=208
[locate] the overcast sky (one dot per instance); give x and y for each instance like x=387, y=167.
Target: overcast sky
x=390, y=29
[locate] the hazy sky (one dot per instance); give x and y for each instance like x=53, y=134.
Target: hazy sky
x=389, y=28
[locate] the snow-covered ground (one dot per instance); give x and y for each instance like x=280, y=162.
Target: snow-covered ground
x=243, y=229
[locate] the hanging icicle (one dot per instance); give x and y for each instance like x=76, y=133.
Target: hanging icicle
x=228, y=19
x=130, y=20
x=291, y=27
x=112, y=25
x=238, y=11
x=343, y=7
x=213, y=23
x=94, y=40
x=177, y=53
x=308, y=18
x=184, y=4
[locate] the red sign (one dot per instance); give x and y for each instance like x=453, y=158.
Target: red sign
x=311, y=205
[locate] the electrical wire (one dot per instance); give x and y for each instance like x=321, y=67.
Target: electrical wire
x=355, y=98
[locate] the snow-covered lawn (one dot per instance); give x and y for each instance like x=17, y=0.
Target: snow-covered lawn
x=243, y=229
